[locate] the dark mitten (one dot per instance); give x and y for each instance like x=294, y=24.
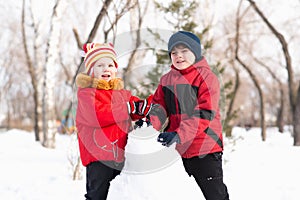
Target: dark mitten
x=168, y=138
x=139, y=123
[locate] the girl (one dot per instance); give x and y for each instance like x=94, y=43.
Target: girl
x=103, y=118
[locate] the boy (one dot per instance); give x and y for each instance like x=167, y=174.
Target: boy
x=188, y=95
x=103, y=118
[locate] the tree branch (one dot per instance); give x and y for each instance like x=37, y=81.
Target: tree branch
x=284, y=44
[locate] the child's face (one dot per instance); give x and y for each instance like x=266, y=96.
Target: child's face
x=182, y=57
x=105, y=69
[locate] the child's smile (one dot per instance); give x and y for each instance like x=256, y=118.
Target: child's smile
x=182, y=57
x=105, y=69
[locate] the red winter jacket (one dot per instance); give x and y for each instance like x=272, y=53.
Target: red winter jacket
x=102, y=121
x=189, y=98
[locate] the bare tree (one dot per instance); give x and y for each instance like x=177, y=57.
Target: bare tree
x=119, y=11
x=99, y=18
x=32, y=74
x=294, y=93
x=136, y=19
x=279, y=122
x=232, y=86
x=48, y=108
x=231, y=113
x=251, y=74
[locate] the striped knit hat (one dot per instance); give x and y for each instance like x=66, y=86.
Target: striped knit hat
x=95, y=51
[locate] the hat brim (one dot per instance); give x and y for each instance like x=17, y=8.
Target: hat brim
x=180, y=43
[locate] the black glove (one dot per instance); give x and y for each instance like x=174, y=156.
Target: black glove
x=139, y=123
x=168, y=138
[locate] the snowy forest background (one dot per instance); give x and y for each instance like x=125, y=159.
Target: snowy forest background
x=253, y=46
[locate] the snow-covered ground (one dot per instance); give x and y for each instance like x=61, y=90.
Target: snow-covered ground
x=252, y=169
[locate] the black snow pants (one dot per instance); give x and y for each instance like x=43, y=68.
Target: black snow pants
x=208, y=173
x=98, y=177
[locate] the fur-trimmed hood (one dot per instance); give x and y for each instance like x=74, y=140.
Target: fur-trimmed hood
x=85, y=81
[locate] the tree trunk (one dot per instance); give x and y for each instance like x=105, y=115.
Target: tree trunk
x=136, y=16
x=253, y=77
x=280, y=122
x=261, y=98
x=49, y=120
x=230, y=114
x=99, y=18
x=294, y=100
x=32, y=76
x=296, y=120
x=8, y=126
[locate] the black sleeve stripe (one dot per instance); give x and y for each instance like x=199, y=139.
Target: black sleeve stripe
x=205, y=114
x=214, y=136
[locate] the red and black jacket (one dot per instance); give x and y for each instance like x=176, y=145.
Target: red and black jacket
x=189, y=99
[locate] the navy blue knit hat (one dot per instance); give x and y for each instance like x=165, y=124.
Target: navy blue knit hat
x=188, y=39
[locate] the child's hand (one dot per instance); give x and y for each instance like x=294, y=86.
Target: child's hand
x=141, y=108
x=168, y=138
x=139, y=123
